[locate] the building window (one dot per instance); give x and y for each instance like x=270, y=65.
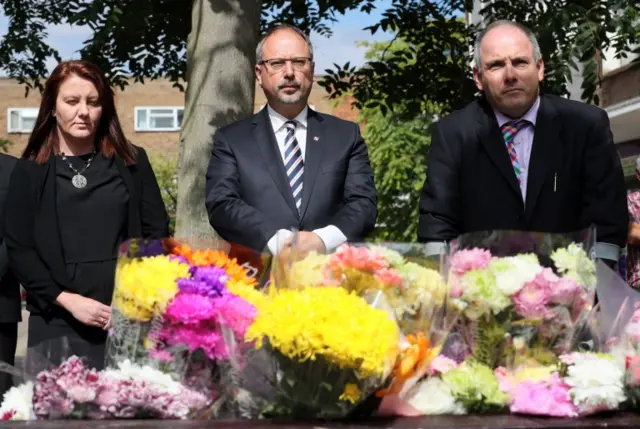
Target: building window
x=21, y=120
x=158, y=118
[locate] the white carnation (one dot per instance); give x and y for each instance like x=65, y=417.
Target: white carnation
x=596, y=383
x=512, y=273
x=20, y=400
x=433, y=397
x=130, y=371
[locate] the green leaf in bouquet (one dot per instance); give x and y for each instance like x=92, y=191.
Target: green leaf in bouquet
x=490, y=340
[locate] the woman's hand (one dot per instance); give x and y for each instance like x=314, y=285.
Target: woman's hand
x=86, y=310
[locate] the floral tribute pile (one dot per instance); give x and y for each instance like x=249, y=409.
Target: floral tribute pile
x=169, y=307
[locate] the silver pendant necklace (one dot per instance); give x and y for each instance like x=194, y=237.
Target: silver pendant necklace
x=79, y=181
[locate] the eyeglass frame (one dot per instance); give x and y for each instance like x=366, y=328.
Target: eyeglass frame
x=286, y=60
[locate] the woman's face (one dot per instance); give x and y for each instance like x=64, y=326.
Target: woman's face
x=78, y=109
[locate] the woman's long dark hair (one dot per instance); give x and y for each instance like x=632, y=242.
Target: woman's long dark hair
x=109, y=138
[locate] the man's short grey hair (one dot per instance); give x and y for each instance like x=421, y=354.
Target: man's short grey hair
x=537, y=54
x=277, y=28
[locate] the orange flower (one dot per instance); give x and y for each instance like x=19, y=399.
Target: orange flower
x=218, y=258
x=412, y=359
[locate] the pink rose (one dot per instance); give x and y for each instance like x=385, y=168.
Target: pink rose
x=470, y=259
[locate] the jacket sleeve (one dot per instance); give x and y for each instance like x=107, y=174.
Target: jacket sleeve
x=440, y=200
x=154, y=217
x=235, y=220
x=24, y=259
x=604, y=194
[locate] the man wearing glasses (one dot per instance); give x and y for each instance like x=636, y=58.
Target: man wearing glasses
x=288, y=166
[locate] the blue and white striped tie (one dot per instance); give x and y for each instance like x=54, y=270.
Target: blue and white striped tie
x=293, y=163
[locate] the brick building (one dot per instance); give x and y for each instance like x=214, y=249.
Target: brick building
x=620, y=97
x=150, y=113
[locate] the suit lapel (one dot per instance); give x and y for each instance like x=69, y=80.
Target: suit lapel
x=493, y=143
x=315, y=148
x=134, y=227
x=47, y=229
x=545, y=141
x=265, y=138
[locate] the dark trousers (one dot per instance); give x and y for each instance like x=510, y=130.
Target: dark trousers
x=8, y=343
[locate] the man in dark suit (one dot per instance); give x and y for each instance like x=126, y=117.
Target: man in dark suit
x=519, y=159
x=10, y=308
x=288, y=166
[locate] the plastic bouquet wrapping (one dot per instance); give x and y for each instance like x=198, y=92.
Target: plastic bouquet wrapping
x=170, y=300
x=628, y=350
x=523, y=295
x=72, y=390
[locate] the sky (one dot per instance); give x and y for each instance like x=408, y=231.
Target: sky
x=339, y=48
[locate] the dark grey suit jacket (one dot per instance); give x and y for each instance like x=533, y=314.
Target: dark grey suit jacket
x=10, y=307
x=248, y=196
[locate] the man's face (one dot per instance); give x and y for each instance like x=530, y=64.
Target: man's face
x=508, y=74
x=286, y=76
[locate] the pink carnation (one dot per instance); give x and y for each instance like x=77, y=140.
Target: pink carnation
x=359, y=258
x=566, y=291
x=190, y=309
x=389, y=277
x=532, y=299
x=470, y=259
x=545, y=398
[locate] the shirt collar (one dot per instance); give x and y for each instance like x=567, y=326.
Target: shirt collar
x=278, y=121
x=530, y=116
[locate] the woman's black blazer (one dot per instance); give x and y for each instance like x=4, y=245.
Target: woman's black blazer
x=31, y=224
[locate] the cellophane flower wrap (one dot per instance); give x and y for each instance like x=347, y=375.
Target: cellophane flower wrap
x=627, y=349
x=72, y=389
x=524, y=296
x=171, y=297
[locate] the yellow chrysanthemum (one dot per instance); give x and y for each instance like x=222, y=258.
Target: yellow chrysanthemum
x=145, y=286
x=310, y=322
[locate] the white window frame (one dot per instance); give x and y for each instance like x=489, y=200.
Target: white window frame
x=31, y=111
x=148, y=109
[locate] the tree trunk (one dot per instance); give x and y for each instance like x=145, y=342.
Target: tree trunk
x=220, y=90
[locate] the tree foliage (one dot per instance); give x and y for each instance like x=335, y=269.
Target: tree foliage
x=398, y=150
x=165, y=169
x=134, y=38
x=435, y=66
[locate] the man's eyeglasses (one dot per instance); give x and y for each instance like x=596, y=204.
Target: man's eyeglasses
x=277, y=64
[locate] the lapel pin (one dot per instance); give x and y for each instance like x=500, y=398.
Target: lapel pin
x=316, y=138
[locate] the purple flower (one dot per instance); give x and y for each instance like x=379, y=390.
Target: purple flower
x=206, y=281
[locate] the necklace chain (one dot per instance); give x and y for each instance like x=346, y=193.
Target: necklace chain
x=64, y=158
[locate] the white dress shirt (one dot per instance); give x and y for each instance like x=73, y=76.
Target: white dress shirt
x=330, y=235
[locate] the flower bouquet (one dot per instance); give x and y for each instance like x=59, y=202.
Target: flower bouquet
x=523, y=295
x=73, y=390
x=395, y=277
x=169, y=303
x=309, y=354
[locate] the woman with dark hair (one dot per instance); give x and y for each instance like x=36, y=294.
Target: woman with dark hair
x=78, y=192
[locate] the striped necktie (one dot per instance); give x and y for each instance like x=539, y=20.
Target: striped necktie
x=293, y=163
x=509, y=131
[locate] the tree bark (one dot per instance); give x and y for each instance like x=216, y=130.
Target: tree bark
x=220, y=90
